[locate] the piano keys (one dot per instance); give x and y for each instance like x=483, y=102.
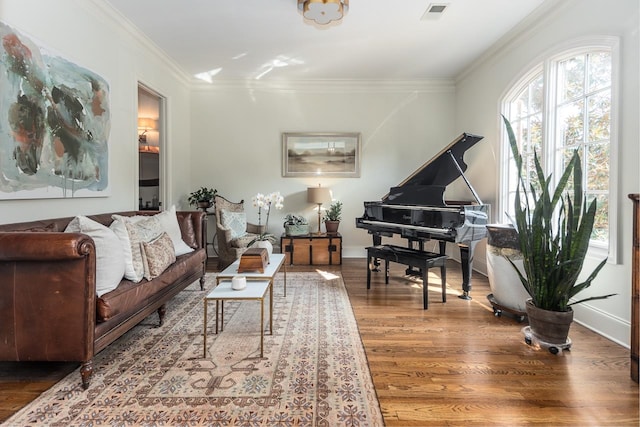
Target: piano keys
x=416, y=210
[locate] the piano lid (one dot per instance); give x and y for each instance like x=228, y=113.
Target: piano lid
x=445, y=167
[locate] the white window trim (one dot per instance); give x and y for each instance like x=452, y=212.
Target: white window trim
x=573, y=47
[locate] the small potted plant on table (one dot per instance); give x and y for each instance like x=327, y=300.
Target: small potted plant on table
x=202, y=198
x=295, y=225
x=332, y=217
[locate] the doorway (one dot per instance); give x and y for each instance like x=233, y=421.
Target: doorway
x=150, y=144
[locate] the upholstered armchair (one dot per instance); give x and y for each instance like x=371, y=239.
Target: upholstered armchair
x=234, y=233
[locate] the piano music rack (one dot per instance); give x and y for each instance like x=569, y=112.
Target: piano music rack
x=422, y=260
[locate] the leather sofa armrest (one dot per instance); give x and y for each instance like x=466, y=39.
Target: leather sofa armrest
x=47, y=296
x=193, y=226
x=44, y=246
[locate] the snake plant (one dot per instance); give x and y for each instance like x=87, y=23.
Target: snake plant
x=554, y=228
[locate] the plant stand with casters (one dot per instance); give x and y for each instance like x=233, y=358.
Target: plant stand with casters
x=498, y=310
x=553, y=348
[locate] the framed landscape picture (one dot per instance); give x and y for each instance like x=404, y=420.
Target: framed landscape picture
x=321, y=154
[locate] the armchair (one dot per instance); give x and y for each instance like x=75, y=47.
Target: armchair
x=234, y=233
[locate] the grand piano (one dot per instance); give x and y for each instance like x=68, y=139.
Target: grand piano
x=416, y=210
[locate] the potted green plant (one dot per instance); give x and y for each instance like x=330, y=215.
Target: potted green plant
x=554, y=228
x=332, y=217
x=295, y=225
x=202, y=197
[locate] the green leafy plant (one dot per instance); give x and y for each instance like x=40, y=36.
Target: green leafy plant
x=334, y=213
x=203, y=194
x=554, y=228
x=293, y=219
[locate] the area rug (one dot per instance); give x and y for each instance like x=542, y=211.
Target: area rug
x=314, y=371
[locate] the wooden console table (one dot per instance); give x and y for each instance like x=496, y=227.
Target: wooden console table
x=413, y=258
x=311, y=249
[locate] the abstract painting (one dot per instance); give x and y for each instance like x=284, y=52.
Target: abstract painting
x=54, y=124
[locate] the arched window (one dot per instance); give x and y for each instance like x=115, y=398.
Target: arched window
x=565, y=103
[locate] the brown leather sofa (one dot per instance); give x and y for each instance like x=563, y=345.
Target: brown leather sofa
x=49, y=310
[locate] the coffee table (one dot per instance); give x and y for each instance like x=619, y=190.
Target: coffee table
x=276, y=261
x=255, y=290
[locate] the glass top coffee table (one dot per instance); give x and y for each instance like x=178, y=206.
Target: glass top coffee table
x=276, y=261
x=256, y=290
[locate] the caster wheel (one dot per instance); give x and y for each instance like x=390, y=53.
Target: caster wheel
x=553, y=350
x=520, y=319
x=527, y=340
x=497, y=313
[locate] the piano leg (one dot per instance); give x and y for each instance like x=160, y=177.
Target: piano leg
x=466, y=258
x=377, y=241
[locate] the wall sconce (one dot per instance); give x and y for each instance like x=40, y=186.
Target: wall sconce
x=145, y=124
x=318, y=195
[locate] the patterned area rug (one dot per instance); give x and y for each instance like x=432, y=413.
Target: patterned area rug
x=314, y=371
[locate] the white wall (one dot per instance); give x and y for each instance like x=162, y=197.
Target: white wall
x=237, y=149
x=89, y=35
x=228, y=136
x=480, y=90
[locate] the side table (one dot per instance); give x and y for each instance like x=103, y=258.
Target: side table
x=255, y=290
x=312, y=249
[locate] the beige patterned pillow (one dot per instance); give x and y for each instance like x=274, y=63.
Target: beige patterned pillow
x=138, y=231
x=157, y=255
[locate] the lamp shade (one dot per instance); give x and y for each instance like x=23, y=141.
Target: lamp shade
x=146, y=123
x=318, y=195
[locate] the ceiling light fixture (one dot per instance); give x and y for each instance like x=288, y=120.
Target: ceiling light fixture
x=323, y=11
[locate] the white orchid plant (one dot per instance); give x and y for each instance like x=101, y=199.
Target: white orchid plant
x=267, y=202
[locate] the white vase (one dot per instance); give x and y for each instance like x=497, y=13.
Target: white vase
x=504, y=281
x=264, y=244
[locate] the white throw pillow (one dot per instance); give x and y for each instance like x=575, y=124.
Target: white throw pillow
x=235, y=221
x=139, y=230
x=109, y=256
x=118, y=227
x=169, y=223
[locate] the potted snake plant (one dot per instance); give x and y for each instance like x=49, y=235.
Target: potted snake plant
x=554, y=227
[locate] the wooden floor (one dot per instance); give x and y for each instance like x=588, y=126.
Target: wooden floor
x=453, y=364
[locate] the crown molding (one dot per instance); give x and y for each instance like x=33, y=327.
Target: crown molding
x=331, y=86
x=521, y=32
x=123, y=22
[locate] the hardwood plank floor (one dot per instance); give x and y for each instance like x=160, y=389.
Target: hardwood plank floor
x=453, y=364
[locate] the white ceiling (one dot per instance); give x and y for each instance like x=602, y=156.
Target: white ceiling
x=376, y=40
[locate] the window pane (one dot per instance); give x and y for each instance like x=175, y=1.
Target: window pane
x=599, y=111
x=599, y=70
x=600, y=231
x=571, y=124
x=536, y=133
x=571, y=78
x=598, y=167
x=519, y=107
x=537, y=94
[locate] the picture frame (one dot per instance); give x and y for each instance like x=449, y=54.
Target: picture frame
x=328, y=154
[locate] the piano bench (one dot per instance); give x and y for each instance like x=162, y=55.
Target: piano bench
x=422, y=260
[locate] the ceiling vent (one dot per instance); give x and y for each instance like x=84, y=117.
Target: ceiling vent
x=434, y=11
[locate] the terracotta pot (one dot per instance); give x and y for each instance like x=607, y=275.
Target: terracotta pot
x=331, y=226
x=551, y=327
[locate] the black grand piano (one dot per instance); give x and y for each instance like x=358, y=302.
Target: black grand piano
x=416, y=209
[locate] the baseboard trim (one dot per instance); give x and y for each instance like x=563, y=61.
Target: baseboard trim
x=611, y=327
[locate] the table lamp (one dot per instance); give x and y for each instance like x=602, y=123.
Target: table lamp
x=318, y=195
